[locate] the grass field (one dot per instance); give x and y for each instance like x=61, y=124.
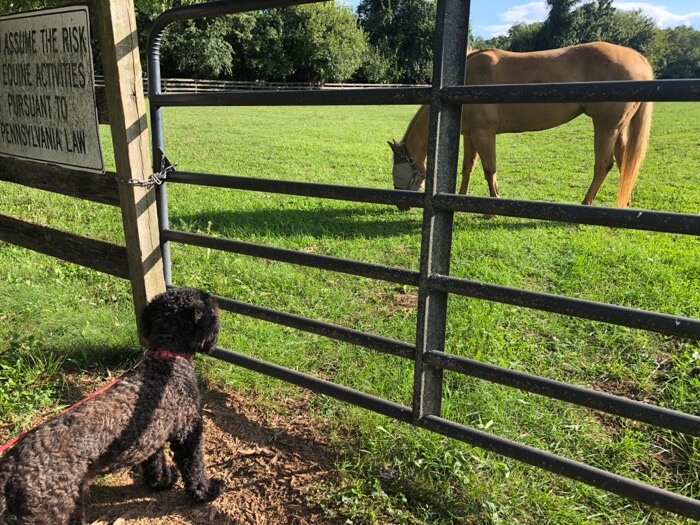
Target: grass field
x=56, y=316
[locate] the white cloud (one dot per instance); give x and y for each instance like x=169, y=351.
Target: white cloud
x=492, y=31
x=527, y=13
x=660, y=13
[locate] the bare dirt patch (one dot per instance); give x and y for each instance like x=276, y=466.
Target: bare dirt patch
x=406, y=300
x=269, y=461
x=269, y=457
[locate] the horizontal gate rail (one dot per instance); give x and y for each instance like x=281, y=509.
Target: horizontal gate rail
x=355, y=97
x=566, y=467
x=658, y=221
x=582, y=308
x=551, y=462
x=322, y=386
x=340, y=333
x=323, y=262
x=650, y=90
x=302, y=189
x=686, y=90
x=621, y=406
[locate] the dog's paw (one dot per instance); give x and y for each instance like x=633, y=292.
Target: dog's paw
x=212, y=490
x=165, y=479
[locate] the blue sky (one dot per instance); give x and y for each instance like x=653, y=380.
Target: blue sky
x=490, y=18
x=493, y=17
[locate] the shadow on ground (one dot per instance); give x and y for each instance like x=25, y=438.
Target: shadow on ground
x=268, y=461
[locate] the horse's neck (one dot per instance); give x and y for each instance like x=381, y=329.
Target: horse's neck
x=416, y=136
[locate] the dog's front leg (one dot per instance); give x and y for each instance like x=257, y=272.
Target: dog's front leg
x=157, y=472
x=187, y=452
x=77, y=517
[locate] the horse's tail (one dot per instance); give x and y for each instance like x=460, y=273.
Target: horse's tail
x=632, y=144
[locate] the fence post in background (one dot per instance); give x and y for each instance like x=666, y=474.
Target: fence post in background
x=129, y=124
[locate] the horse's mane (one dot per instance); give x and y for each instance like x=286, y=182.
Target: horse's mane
x=414, y=121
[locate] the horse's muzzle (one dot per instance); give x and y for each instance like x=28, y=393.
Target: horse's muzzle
x=407, y=177
x=402, y=208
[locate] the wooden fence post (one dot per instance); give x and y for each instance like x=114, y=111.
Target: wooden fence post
x=118, y=40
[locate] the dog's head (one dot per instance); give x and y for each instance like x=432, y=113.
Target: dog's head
x=183, y=320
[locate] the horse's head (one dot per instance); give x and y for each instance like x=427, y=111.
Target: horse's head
x=406, y=173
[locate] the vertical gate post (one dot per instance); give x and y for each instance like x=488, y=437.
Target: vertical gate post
x=129, y=124
x=443, y=153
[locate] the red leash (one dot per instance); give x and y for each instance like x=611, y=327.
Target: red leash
x=97, y=392
x=163, y=353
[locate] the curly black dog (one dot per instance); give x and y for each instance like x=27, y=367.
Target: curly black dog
x=44, y=477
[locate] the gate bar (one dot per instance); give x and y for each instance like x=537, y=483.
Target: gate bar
x=559, y=304
x=293, y=97
x=340, y=333
x=449, y=49
x=360, y=399
x=303, y=189
x=445, y=96
x=685, y=90
x=657, y=221
x=313, y=260
x=609, y=403
x=596, y=477
x=590, y=475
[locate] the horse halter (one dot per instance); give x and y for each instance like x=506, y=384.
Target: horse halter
x=406, y=175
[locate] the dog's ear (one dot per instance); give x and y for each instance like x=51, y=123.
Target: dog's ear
x=146, y=324
x=207, y=326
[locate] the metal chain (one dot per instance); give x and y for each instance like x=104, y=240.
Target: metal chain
x=157, y=178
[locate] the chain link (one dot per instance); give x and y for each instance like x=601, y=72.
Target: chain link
x=157, y=178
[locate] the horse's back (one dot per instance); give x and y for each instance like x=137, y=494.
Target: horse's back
x=595, y=61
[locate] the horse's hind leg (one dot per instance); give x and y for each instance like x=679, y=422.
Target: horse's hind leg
x=468, y=163
x=604, y=139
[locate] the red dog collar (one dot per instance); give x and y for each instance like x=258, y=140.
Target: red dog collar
x=164, y=353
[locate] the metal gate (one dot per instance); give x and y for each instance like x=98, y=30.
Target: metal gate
x=446, y=95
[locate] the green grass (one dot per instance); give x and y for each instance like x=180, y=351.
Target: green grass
x=391, y=472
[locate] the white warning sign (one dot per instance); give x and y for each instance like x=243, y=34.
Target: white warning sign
x=47, y=96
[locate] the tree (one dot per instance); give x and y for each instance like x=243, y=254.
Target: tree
x=196, y=49
x=556, y=30
x=308, y=43
x=326, y=44
x=635, y=30
x=402, y=32
x=593, y=21
x=375, y=67
x=681, y=58
x=19, y=6
x=523, y=37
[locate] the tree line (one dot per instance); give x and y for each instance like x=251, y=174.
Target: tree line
x=383, y=41
x=674, y=53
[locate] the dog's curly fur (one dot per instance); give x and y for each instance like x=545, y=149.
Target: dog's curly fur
x=44, y=477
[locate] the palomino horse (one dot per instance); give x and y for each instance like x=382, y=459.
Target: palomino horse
x=621, y=129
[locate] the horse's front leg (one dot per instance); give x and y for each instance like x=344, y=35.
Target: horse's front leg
x=468, y=163
x=485, y=143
